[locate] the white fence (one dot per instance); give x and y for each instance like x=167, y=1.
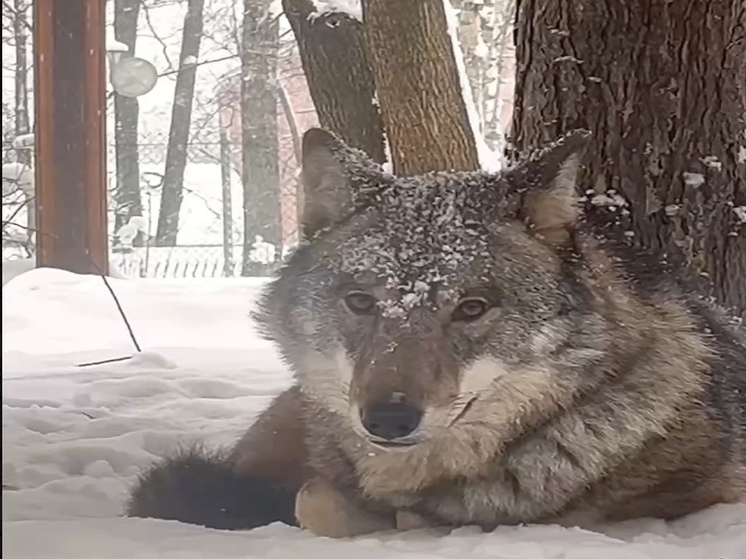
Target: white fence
x=194, y=261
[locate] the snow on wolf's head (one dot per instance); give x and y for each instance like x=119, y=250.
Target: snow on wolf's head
x=413, y=296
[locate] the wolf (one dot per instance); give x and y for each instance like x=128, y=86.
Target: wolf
x=470, y=349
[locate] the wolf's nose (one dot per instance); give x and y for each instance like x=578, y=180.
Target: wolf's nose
x=391, y=420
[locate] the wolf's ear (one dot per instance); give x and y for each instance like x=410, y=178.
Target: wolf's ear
x=327, y=194
x=548, y=181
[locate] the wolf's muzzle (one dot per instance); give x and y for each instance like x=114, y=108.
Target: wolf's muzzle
x=391, y=420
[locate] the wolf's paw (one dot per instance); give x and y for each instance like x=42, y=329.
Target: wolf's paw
x=327, y=511
x=546, y=471
x=408, y=520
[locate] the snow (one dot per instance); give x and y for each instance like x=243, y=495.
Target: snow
x=24, y=141
x=112, y=45
x=17, y=174
x=694, y=179
x=611, y=198
x=15, y=267
x=127, y=232
x=352, y=8
x=713, y=162
x=568, y=58
x=74, y=438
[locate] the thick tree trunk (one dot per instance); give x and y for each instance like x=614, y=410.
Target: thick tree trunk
x=418, y=86
x=128, y=198
x=657, y=84
x=181, y=119
x=260, y=165
x=340, y=80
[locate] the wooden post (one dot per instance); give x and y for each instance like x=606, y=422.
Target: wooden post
x=70, y=103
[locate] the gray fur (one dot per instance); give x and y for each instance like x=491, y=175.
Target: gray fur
x=593, y=375
x=592, y=389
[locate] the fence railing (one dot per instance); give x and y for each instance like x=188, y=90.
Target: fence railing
x=188, y=261
x=210, y=200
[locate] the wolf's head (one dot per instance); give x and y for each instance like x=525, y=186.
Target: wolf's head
x=411, y=297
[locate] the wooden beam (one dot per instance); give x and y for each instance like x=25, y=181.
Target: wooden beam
x=70, y=108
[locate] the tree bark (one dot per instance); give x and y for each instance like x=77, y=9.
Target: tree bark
x=470, y=26
x=495, y=130
x=20, y=35
x=128, y=198
x=657, y=82
x=418, y=86
x=260, y=157
x=340, y=80
x=181, y=119
x=22, y=122
x=226, y=199
x=295, y=137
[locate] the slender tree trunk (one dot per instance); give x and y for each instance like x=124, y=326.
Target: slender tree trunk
x=227, y=203
x=181, y=119
x=22, y=121
x=418, y=85
x=336, y=63
x=485, y=33
x=127, y=195
x=501, y=34
x=295, y=136
x=657, y=82
x=20, y=32
x=260, y=165
x=469, y=34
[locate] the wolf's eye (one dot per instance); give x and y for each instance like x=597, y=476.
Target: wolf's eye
x=361, y=303
x=470, y=309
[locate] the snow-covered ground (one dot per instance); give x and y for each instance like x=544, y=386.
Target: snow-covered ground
x=74, y=438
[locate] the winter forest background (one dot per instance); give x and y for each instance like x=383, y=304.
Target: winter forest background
x=183, y=140
x=203, y=183
x=203, y=169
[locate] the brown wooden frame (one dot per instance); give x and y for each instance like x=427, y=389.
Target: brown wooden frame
x=70, y=132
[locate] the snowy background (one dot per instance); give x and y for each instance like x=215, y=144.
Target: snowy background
x=486, y=73
x=74, y=438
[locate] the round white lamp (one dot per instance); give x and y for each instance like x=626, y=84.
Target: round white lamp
x=130, y=76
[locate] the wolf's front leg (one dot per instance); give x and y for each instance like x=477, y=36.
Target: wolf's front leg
x=329, y=511
x=274, y=446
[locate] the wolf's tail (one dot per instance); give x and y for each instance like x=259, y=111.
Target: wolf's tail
x=198, y=487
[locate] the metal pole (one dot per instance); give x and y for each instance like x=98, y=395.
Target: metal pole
x=70, y=108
